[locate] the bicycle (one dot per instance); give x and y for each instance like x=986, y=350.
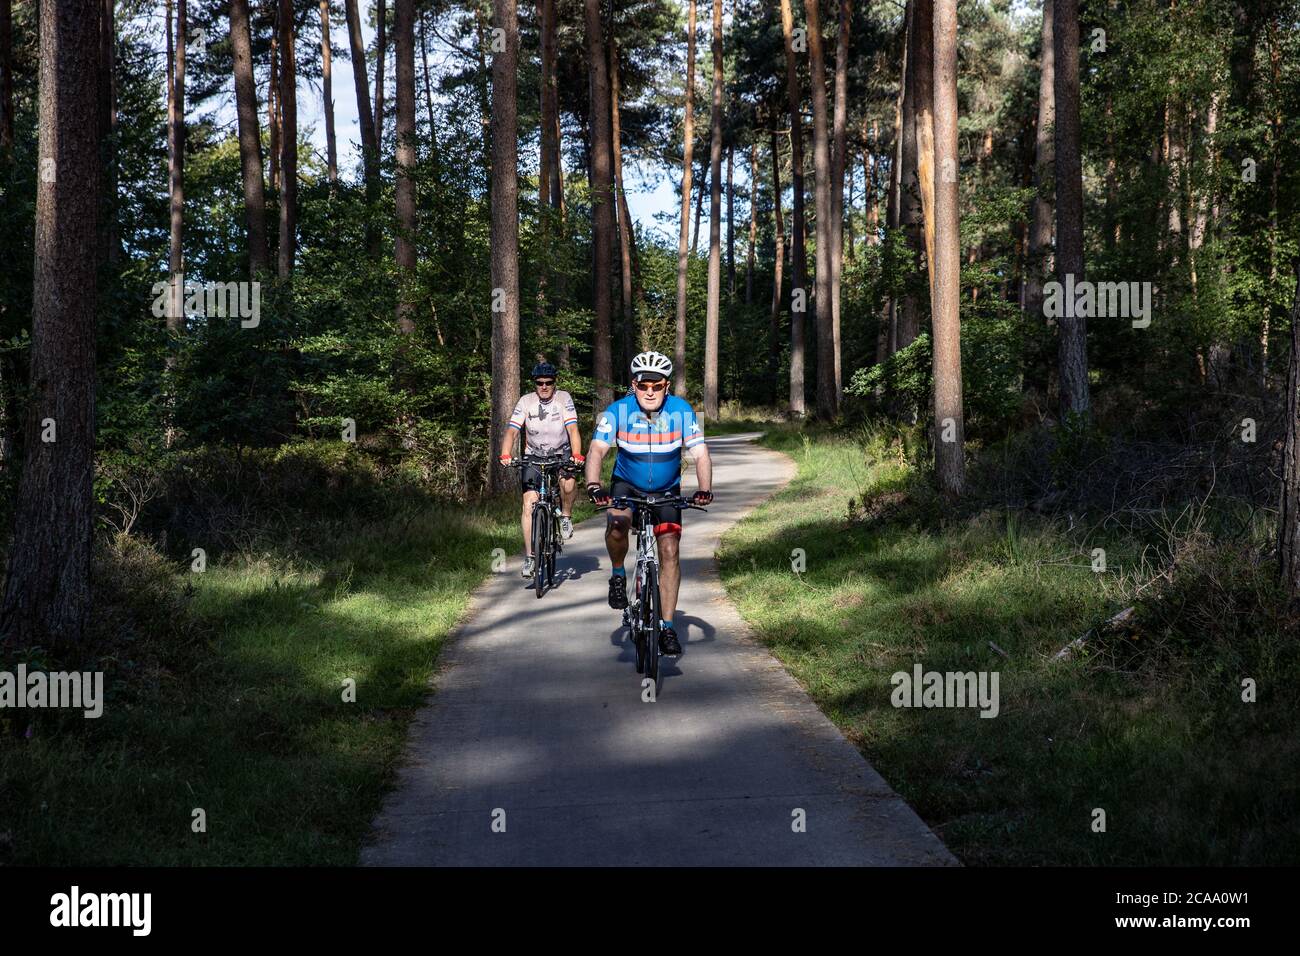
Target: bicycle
x=547, y=539
x=641, y=615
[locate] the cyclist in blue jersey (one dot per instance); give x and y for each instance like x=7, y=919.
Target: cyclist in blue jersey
x=650, y=430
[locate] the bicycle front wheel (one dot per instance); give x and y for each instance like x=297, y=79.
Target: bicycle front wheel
x=541, y=527
x=650, y=627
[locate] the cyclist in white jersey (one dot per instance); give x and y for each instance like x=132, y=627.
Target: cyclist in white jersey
x=549, y=421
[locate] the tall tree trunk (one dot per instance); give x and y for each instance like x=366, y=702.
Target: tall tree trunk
x=827, y=403
x=871, y=201
x=369, y=148
x=799, y=264
x=1073, y=351
x=839, y=164
x=684, y=228
x=715, y=227
x=381, y=54
x=6, y=77
x=731, y=220
x=365, y=119
x=108, y=116
x=434, y=155
x=887, y=337
x=1040, y=229
x=47, y=597
x=907, y=318
x=602, y=202
x=176, y=174
x=950, y=467
x=1288, y=531
x=699, y=201
x=250, y=137
x=273, y=96
x=288, y=142
x=327, y=86
x=549, y=105
x=923, y=94
x=404, y=182
x=505, y=227
x=626, y=235
x=753, y=222
x=774, y=325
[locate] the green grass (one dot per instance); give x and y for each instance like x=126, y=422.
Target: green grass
x=248, y=721
x=1185, y=771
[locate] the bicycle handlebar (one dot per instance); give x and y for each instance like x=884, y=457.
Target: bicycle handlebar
x=675, y=500
x=545, y=461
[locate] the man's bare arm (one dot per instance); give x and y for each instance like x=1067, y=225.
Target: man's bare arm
x=595, y=458
x=703, y=467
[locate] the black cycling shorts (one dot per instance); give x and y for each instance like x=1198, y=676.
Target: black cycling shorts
x=663, y=514
x=530, y=477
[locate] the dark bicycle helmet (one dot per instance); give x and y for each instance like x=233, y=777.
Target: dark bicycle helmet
x=543, y=370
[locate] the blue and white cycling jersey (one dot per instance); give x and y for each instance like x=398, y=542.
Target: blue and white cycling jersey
x=649, y=449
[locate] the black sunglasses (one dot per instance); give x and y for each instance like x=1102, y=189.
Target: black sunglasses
x=547, y=384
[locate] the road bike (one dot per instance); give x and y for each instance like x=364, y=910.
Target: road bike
x=547, y=538
x=642, y=615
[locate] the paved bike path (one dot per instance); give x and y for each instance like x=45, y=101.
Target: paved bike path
x=537, y=722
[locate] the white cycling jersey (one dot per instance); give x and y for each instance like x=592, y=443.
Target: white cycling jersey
x=545, y=424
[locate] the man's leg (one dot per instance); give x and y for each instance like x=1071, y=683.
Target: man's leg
x=526, y=521
x=617, y=524
x=670, y=574
x=568, y=492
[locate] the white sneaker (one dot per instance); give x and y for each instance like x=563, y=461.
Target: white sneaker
x=566, y=527
x=528, y=569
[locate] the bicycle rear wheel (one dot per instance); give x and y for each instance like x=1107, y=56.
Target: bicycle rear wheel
x=540, y=539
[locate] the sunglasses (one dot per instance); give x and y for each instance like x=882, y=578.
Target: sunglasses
x=651, y=386
x=546, y=384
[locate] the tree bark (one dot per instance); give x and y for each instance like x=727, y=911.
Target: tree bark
x=404, y=182
x=774, y=326
x=1073, y=343
x=1288, y=537
x=547, y=181
x=827, y=404
x=839, y=164
x=505, y=229
x=288, y=142
x=273, y=96
x=684, y=228
x=923, y=96
x=1040, y=230
x=731, y=219
x=799, y=264
x=369, y=148
x=602, y=201
x=250, y=137
x=699, y=201
x=753, y=222
x=176, y=173
x=6, y=77
x=626, y=235
x=47, y=596
x=907, y=320
x=715, y=227
x=327, y=86
x=381, y=53
x=108, y=116
x=950, y=467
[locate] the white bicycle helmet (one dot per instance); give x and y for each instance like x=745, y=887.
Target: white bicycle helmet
x=655, y=362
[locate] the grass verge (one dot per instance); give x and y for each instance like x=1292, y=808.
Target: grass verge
x=1148, y=725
